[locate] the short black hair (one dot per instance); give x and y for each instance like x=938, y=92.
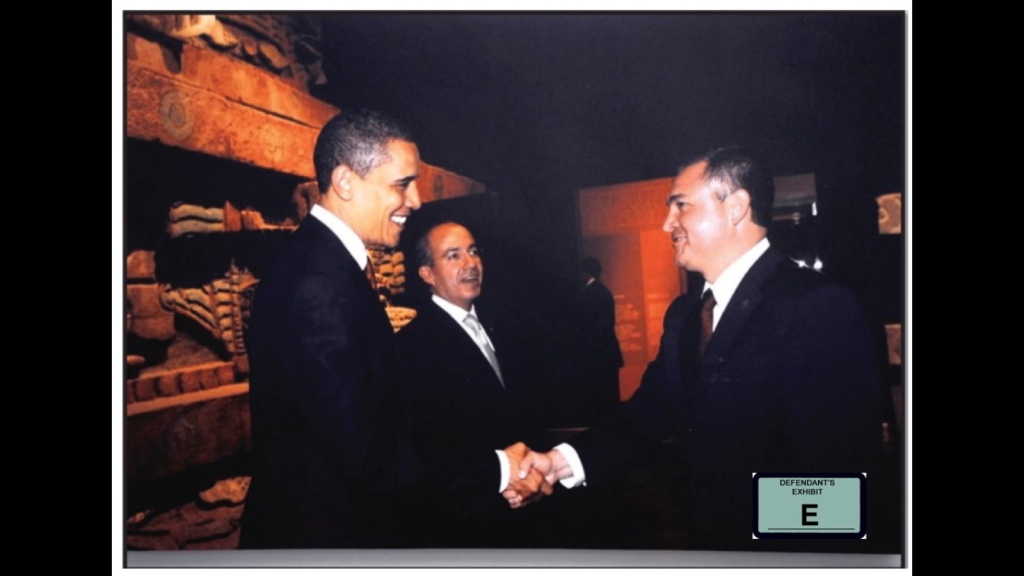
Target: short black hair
x=424, y=255
x=357, y=139
x=732, y=168
x=591, y=266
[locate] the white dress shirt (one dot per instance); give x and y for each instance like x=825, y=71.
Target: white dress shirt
x=459, y=315
x=352, y=242
x=729, y=280
x=723, y=288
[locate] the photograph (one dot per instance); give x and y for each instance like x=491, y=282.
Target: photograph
x=689, y=348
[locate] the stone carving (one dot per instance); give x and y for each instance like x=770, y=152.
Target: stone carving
x=189, y=26
x=166, y=383
x=281, y=43
x=229, y=491
x=894, y=343
x=400, y=316
x=221, y=307
x=176, y=115
x=890, y=213
x=389, y=268
x=146, y=316
x=210, y=521
x=191, y=219
x=141, y=265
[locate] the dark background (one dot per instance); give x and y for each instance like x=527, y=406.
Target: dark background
x=537, y=106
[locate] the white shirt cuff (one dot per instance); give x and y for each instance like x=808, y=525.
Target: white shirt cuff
x=578, y=477
x=503, y=463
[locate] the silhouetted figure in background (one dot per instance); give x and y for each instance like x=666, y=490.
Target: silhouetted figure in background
x=599, y=356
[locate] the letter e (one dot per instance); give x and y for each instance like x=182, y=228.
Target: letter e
x=808, y=513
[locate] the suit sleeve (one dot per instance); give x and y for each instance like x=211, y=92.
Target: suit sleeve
x=832, y=388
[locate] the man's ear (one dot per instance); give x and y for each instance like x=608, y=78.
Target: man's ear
x=426, y=274
x=341, y=180
x=739, y=205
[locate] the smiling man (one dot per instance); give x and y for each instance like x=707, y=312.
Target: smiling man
x=464, y=368
x=333, y=462
x=767, y=367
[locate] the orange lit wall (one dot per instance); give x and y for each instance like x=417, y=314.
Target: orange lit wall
x=621, y=226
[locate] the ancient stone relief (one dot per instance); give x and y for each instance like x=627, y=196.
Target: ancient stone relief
x=220, y=307
x=389, y=268
x=890, y=213
x=283, y=44
x=190, y=219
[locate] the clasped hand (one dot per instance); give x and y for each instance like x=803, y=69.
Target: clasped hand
x=533, y=474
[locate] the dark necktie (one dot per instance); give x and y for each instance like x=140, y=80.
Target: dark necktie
x=707, y=319
x=370, y=276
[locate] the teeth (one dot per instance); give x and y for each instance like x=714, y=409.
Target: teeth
x=400, y=220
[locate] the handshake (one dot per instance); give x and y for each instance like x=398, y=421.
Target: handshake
x=532, y=475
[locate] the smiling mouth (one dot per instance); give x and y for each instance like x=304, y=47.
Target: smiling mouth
x=473, y=276
x=399, y=219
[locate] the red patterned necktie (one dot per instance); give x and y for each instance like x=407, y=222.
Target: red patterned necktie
x=707, y=320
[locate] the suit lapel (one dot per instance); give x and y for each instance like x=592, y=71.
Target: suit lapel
x=743, y=303
x=337, y=256
x=462, y=344
x=688, y=341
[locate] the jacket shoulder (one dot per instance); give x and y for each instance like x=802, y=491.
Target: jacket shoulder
x=792, y=281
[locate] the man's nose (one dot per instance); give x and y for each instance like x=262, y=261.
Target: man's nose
x=670, y=222
x=412, y=196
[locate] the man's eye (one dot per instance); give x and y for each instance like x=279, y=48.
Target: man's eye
x=474, y=251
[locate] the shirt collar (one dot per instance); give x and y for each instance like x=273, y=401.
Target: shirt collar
x=454, y=311
x=344, y=233
x=729, y=280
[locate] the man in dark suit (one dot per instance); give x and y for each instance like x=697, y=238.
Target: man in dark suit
x=599, y=357
x=330, y=427
x=767, y=368
x=467, y=382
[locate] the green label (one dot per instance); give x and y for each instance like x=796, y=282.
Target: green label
x=809, y=506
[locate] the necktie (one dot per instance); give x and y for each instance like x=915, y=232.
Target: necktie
x=707, y=320
x=478, y=331
x=370, y=276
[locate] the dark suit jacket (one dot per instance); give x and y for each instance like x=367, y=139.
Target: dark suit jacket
x=788, y=384
x=461, y=412
x=330, y=422
x=598, y=357
x=597, y=320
